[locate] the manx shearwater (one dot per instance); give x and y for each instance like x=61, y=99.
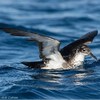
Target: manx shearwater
x=68, y=57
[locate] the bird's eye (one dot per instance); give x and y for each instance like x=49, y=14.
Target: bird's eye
x=83, y=49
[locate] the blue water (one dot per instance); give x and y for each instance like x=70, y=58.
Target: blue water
x=65, y=20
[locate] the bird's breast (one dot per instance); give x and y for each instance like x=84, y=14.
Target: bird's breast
x=77, y=60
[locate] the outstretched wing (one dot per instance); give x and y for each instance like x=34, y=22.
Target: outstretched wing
x=85, y=39
x=88, y=38
x=47, y=45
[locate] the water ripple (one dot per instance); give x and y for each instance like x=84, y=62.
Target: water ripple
x=60, y=19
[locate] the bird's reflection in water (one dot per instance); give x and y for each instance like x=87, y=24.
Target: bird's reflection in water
x=48, y=76
x=59, y=79
x=80, y=77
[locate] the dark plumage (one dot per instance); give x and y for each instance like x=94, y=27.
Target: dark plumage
x=49, y=50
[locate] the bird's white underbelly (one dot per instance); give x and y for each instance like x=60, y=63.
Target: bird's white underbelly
x=78, y=60
x=56, y=61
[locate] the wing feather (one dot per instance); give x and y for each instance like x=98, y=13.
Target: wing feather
x=47, y=45
x=85, y=39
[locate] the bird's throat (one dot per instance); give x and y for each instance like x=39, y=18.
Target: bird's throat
x=77, y=60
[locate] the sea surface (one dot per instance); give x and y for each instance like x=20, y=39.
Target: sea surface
x=65, y=20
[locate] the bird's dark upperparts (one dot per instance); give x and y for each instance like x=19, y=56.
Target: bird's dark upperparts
x=68, y=57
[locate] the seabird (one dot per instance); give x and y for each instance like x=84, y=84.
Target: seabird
x=71, y=56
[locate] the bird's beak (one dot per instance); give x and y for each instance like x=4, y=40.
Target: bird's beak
x=91, y=54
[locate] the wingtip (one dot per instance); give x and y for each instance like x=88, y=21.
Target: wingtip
x=92, y=35
x=14, y=31
x=95, y=31
x=4, y=29
x=7, y=30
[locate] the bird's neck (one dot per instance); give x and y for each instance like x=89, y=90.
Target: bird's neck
x=78, y=59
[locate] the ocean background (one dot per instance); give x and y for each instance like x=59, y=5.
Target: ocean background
x=65, y=20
